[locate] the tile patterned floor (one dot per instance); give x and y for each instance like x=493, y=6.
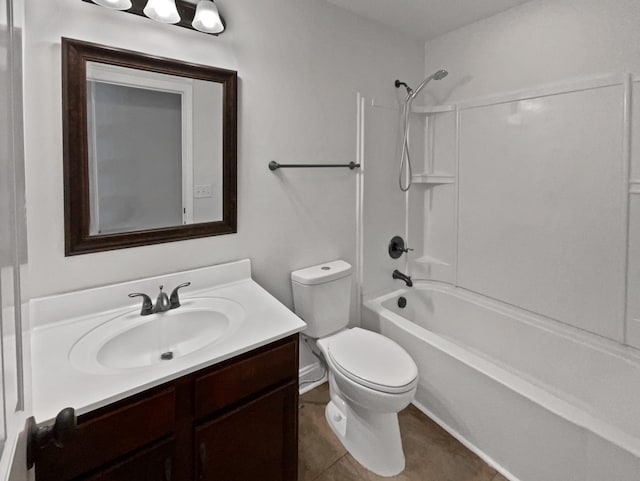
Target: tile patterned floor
x=431, y=453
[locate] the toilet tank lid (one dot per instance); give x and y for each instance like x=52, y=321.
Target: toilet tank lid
x=329, y=271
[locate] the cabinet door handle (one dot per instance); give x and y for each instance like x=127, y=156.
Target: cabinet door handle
x=168, y=469
x=203, y=459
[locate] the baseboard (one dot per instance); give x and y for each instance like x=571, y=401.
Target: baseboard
x=311, y=376
x=466, y=443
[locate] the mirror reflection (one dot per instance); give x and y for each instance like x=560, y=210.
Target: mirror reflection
x=155, y=149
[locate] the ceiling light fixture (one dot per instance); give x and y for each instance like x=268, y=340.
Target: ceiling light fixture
x=207, y=18
x=115, y=4
x=164, y=11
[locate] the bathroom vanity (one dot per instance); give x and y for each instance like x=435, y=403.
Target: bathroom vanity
x=233, y=421
x=225, y=409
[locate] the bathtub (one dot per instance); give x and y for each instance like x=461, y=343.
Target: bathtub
x=537, y=400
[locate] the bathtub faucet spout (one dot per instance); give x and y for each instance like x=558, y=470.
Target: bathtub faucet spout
x=399, y=275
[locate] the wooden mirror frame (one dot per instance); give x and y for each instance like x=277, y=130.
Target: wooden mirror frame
x=75, y=55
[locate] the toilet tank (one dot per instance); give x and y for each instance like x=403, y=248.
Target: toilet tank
x=322, y=297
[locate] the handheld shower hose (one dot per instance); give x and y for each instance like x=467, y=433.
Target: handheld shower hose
x=405, y=156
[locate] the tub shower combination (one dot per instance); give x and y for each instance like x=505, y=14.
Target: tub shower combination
x=536, y=400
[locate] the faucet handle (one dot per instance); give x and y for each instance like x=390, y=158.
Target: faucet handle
x=397, y=247
x=174, y=299
x=147, y=303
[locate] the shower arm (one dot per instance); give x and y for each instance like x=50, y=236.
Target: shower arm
x=405, y=85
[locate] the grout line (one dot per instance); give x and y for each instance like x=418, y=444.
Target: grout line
x=329, y=467
x=626, y=178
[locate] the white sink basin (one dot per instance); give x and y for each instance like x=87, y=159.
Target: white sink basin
x=131, y=341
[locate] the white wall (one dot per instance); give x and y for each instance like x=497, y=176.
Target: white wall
x=207, y=149
x=300, y=63
x=538, y=43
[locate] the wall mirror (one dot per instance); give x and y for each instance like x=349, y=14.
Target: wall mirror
x=149, y=149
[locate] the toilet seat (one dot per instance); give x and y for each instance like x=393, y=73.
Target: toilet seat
x=372, y=360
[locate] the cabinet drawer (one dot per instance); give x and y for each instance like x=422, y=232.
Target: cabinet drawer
x=108, y=435
x=230, y=384
x=152, y=464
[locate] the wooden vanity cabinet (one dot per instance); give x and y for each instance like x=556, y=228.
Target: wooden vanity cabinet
x=236, y=421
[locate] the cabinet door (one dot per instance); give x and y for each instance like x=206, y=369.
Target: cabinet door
x=257, y=441
x=153, y=464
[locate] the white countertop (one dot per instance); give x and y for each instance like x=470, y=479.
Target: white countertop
x=57, y=384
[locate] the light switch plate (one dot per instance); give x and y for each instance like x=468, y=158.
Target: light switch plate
x=202, y=191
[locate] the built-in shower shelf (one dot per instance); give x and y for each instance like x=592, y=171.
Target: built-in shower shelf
x=427, y=260
x=437, y=109
x=433, y=179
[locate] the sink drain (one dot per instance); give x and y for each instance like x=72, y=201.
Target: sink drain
x=402, y=302
x=166, y=356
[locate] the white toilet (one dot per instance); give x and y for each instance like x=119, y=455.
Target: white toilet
x=371, y=377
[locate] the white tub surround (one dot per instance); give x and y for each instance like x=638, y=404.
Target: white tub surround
x=60, y=321
x=538, y=400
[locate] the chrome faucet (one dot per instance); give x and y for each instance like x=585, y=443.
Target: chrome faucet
x=164, y=303
x=403, y=277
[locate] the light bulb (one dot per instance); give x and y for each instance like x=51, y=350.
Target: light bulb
x=114, y=4
x=207, y=18
x=163, y=11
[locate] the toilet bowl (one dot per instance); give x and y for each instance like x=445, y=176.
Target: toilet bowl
x=371, y=378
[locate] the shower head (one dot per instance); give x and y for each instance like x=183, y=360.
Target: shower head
x=439, y=75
